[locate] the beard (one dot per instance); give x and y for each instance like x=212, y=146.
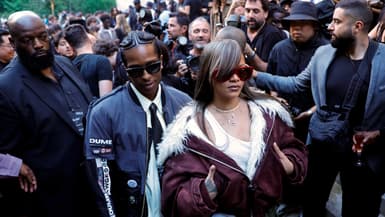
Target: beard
x=36, y=62
x=343, y=42
x=256, y=25
x=200, y=45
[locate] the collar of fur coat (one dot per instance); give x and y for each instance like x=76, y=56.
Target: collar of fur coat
x=181, y=127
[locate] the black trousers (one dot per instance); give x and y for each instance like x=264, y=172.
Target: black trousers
x=361, y=188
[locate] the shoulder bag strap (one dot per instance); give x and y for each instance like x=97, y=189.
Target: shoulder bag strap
x=358, y=79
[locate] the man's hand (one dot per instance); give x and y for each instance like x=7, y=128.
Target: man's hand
x=210, y=184
x=286, y=163
x=369, y=137
x=27, y=179
x=182, y=68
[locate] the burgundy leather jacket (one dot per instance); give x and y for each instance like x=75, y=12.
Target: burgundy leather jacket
x=187, y=156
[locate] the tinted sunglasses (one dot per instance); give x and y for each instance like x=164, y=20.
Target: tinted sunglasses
x=243, y=72
x=150, y=68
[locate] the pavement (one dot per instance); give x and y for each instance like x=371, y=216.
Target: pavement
x=335, y=202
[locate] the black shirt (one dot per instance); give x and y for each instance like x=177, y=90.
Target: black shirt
x=93, y=68
x=338, y=79
x=69, y=96
x=264, y=42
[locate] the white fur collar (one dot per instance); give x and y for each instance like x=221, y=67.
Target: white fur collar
x=180, y=128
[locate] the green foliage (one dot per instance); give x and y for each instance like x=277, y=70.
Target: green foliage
x=92, y=6
x=42, y=7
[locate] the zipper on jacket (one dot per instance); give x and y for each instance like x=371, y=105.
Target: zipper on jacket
x=250, y=188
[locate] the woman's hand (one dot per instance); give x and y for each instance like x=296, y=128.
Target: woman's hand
x=210, y=184
x=286, y=163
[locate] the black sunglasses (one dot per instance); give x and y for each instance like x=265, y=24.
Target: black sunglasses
x=150, y=68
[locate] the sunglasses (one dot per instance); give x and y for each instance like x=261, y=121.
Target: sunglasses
x=243, y=72
x=150, y=68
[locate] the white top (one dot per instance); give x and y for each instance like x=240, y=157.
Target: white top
x=152, y=190
x=235, y=148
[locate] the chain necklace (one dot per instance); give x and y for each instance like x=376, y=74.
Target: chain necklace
x=231, y=119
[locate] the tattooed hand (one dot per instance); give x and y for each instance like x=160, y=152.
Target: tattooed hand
x=210, y=184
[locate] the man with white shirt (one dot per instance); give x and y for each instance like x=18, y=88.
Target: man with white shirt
x=124, y=128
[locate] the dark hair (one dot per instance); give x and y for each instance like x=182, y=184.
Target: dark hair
x=166, y=60
x=76, y=20
x=215, y=56
x=56, y=38
x=104, y=17
x=53, y=29
x=2, y=33
x=136, y=38
x=146, y=16
x=265, y=4
x=75, y=35
x=105, y=47
x=154, y=28
x=181, y=18
x=358, y=10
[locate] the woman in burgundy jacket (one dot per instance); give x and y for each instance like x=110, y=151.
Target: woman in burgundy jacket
x=232, y=151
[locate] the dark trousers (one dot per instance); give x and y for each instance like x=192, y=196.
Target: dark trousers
x=361, y=189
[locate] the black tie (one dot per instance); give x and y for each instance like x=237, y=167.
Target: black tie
x=156, y=127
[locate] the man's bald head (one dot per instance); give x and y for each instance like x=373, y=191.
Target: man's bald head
x=230, y=32
x=24, y=19
x=30, y=38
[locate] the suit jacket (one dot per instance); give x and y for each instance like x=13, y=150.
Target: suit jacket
x=314, y=76
x=38, y=129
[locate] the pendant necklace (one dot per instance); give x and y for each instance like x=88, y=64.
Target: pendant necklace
x=230, y=120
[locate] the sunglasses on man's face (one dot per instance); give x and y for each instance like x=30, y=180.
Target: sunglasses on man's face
x=243, y=72
x=151, y=68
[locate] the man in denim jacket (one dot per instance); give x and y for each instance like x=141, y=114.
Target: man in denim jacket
x=119, y=140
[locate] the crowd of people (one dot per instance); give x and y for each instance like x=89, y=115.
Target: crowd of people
x=193, y=108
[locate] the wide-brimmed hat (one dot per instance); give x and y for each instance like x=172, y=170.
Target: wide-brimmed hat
x=301, y=10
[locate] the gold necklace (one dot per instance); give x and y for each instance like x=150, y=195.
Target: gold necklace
x=230, y=120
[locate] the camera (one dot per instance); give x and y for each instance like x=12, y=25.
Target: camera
x=235, y=20
x=192, y=63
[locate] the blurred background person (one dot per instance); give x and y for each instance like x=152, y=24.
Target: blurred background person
x=106, y=31
x=95, y=69
x=121, y=28
x=62, y=47
x=7, y=52
x=93, y=25
x=260, y=35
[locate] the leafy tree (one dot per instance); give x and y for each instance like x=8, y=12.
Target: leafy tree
x=42, y=7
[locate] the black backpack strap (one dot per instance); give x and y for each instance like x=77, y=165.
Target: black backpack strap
x=358, y=79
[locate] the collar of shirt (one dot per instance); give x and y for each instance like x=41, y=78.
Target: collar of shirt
x=145, y=103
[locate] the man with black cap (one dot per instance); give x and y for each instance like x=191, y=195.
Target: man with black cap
x=290, y=56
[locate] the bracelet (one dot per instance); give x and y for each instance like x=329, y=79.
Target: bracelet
x=309, y=112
